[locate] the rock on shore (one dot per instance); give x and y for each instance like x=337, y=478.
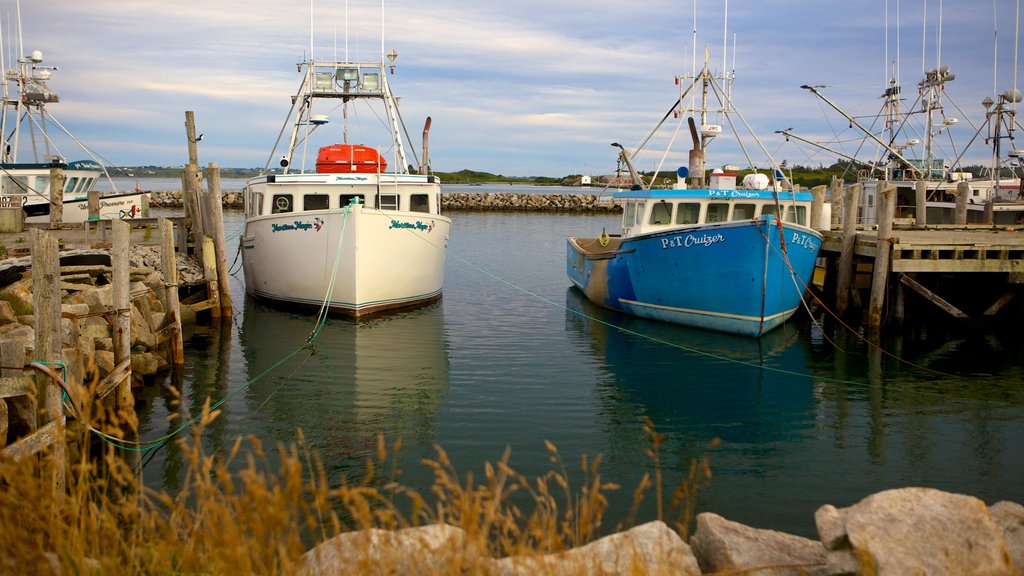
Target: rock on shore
x=892, y=533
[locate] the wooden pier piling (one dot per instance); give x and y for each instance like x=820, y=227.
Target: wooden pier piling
x=880, y=274
x=972, y=273
x=845, y=272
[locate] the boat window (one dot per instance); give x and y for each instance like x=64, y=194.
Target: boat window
x=640, y=213
x=797, y=214
x=387, y=201
x=688, y=213
x=282, y=203
x=346, y=199
x=254, y=204
x=14, y=185
x=743, y=211
x=419, y=203
x=661, y=213
x=717, y=212
x=769, y=209
x=88, y=184
x=629, y=214
x=315, y=202
x=71, y=184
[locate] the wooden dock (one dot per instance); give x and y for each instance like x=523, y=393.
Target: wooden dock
x=971, y=272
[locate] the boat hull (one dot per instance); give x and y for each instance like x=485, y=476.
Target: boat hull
x=738, y=277
x=357, y=260
x=28, y=186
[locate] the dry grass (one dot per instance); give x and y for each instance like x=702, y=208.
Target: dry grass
x=257, y=522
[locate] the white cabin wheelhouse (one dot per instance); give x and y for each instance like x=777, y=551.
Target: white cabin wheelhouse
x=349, y=235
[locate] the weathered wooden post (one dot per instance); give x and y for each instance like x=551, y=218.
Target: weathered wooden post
x=921, y=201
x=56, y=196
x=171, y=304
x=190, y=133
x=12, y=217
x=215, y=228
x=46, y=299
x=963, y=189
x=880, y=274
x=846, y=256
x=817, y=206
x=836, y=195
x=122, y=317
x=193, y=202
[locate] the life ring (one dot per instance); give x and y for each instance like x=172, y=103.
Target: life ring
x=603, y=239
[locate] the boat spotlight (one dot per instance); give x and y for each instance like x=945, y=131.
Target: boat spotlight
x=284, y=161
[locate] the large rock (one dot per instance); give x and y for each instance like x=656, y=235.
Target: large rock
x=434, y=549
x=651, y=548
x=915, y=531
x=1009, y=516
x=7, y=315
x=725, y=546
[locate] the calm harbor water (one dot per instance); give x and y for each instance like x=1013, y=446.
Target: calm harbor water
x=513, y=357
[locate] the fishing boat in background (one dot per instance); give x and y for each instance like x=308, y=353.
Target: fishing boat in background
x=713, y=255
x=346, y=234
x=993, y=198
x=24, y=182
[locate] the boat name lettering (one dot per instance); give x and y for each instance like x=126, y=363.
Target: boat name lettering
x=415, y=226
x=350, y=178
x=317, y=223
x=804, y=240
x=691, y=240
x=733, y=194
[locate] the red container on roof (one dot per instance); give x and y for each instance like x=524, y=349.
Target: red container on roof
x=348, y=158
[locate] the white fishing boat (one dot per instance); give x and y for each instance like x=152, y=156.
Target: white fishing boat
x=347, y=233
x=994, y=198
x=26, y=123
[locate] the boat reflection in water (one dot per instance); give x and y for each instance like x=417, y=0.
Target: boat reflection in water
x=697, y=385
x=362, y=377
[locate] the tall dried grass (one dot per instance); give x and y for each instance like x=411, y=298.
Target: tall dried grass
x=261, y=519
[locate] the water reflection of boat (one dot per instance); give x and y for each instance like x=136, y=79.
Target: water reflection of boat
x=386, y=374
x=701, y=384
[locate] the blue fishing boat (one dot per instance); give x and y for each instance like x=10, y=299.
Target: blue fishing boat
x=721, y=256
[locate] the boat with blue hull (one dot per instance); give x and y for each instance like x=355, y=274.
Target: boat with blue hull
x=721, y=257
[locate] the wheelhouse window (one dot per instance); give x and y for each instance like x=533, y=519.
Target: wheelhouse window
x=717, y=212
x=254, y=204
x=688, y=213
x=640, y=208
x=387, y=201
x=797, y=215
x=282, y=203
x=71, y=185
x=346, y=199
x=743, y=211
x=315, y=202
x=629, y=214
x=769, y=209
x=419, y=203
x=661, y=213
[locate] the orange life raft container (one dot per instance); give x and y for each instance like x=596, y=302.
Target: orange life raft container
x=348, y=158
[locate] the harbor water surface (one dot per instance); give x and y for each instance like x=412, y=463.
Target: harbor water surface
x=513, y=357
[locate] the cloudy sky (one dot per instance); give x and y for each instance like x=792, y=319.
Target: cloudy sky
x=522, y=88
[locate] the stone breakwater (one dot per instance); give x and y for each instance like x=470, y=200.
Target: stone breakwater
x=456, y=201
x=891, y=533
x=511, y=201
